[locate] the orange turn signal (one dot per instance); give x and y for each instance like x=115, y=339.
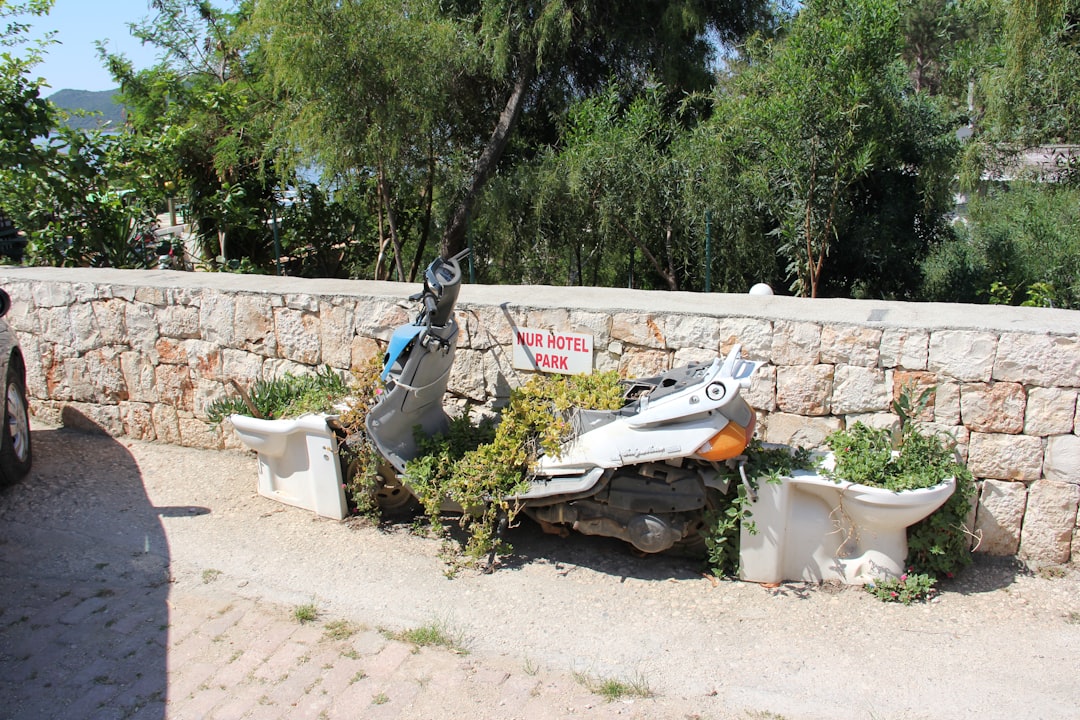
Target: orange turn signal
x=728, y=443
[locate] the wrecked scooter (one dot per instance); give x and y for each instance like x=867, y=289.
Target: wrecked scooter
x=643, y=473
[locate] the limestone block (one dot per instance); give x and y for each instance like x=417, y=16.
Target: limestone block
x=22, y=316
x=993, y=407
x=956, y=436
x=754, y=335
x=947, y=403
x=488, y=327
x=35, y=365
x=881, y=421
x=336, y=328
x=999, y=517
x=799, y=431
x=906, y=349
x=141, y=322
x=859, y=390
x=1049, y=361
x=277, y=367
x=198, y=434
x=109, y=317
x=303, y=302
x=644, y=363
x=297, y=333
x=87, y=292
x=686, y=331
x=499, y=377
x=362, y=350
x=91, y=417
x=555, y=319
x=170, y=351
x=762, y=391
x=609, y=360
x=379, y=317
x=71, y=381
x=47, y=411
x=1049, y=521
x=207, y=392
x=686, y=356
x=217, y=318
x=636, y=329
x=138, y=377
x=1050, y=411
x=914, y=383
x=203, y=359
x=138, y=420
x=962, y=354
x=253, y=326
x=82, y=331
x=596, y=324
x=795, y=343
x=850, y=345
x=243, y=367
x=467, y=375
x=179, y=321
x=1005, y=457
x=104, y=376
x=166, y=423
x=53, y=295
x=174, y=386
x=151, y=296
x=1062, y=462
x=804, y=389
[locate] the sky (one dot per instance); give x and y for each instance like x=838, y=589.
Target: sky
x=73, y=62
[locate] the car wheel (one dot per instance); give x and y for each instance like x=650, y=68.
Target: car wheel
x=15, y=454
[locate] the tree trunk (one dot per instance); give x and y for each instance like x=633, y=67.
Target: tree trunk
x=453, y=239
x=668, y=276
x=391, y=217
x=425, y=231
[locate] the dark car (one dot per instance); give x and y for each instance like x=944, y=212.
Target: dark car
x=15, y=455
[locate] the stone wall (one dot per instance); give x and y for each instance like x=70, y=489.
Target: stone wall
x=142, y=353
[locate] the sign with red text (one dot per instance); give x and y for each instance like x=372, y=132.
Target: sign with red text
x=553, y=352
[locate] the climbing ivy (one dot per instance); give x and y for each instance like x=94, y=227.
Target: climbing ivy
x=482, y=467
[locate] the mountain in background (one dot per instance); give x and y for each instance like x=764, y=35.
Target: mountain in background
x=101, y=101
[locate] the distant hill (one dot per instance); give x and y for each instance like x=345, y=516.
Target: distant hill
x=101, y=101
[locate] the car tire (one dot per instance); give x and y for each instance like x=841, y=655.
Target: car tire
x=15, y=451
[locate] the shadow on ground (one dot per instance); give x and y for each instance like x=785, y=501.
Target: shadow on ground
x=85, y=561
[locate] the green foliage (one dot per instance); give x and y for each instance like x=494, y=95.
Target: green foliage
x=940, y=544
x=1022, y=248
x=865, y=455
x=286, y=396
x=824, y=131
x=908, y=588
x=481, y=469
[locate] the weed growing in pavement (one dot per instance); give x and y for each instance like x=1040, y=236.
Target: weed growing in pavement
x=906, y=589
x=612, y=689
x=209, y=575
x=434, y=634
x=380, y=699
x=306, y=613
x=340, y=630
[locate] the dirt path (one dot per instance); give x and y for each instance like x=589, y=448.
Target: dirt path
x=998, y=643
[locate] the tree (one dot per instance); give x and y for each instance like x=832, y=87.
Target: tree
x=25, y=116
x=427, y=97
x=206, y=111
x=836, y=130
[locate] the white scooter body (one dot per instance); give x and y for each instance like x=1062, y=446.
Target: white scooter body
x=673, y=426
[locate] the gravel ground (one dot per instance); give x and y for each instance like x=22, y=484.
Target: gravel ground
x=999, y=642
